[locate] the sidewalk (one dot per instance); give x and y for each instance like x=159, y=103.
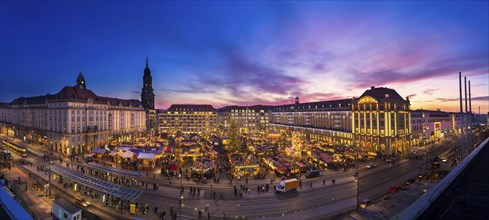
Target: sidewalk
x=35, y=201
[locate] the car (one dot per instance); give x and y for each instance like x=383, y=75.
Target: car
x=421, y=176
x=371, y=165
x=312, y=174
x=444, y=159
x=365, y=202
x=82, y=202
x=409, y=181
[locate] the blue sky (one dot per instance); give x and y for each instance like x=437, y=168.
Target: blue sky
x=246, y=53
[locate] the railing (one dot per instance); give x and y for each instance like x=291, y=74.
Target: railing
x=415, y=210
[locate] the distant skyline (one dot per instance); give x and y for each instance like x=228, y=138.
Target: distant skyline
x=246, y=53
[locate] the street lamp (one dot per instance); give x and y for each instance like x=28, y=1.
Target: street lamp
x=49, y=177
x=358, y=180
x=181, y=195
x=181, y=204
x=237, y=207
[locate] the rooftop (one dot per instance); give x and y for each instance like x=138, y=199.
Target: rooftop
x=191, y=107
x=67, y=206
x=241, y=107
x=467, y=197
x=380, y=93
x=73, y=93
x=342, y=104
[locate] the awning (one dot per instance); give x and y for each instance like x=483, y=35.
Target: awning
x=146, y=156
x=113, y=153
x=127, y=154
x=124, y=148
x=98, y=150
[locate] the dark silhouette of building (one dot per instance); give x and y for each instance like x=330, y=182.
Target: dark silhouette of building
x=147, y=94
x=148, y=98
x=80, y=81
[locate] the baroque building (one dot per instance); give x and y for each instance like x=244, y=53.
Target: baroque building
x=381, y=121
x=72, y=121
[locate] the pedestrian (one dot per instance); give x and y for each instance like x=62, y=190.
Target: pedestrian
x=324, y=182
x=208, y=215
x=162, y=216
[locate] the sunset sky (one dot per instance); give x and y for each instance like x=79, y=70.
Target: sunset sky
x=247, y=53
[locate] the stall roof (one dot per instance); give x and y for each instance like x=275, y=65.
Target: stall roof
x=98, y=150
x=97, y=184
x=126, y=154
x=146, y=156
x=124, y=148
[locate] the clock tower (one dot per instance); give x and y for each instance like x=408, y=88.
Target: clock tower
x=147, y=94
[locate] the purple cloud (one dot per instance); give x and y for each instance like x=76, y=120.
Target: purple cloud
x=475, y=65
x=239, y=74
x=429, y=91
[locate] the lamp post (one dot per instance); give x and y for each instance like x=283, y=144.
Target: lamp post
x=49, y=176
x=358, y=180
x=181, y=195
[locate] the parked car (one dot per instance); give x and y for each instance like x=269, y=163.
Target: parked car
x=82, y=202
x=371, y=165
x=365, y=203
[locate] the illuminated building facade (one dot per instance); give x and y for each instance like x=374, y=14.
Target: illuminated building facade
x=249, y=119
x=428, y=125
x=188, y=119
x=328, y=121
x=74, y=120
x=381, y=121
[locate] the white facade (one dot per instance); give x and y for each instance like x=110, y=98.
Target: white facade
x=251, y=119
x=73, y=125
x=430, y=125
x=66, y=211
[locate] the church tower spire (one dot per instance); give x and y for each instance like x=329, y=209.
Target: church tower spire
x=80, y=81
x=147, y=94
